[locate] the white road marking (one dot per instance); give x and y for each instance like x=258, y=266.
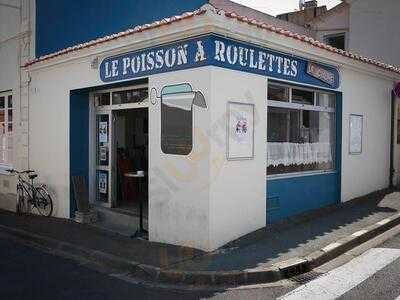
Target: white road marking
x=360, y=232
x=331, y=247
x=338, y=281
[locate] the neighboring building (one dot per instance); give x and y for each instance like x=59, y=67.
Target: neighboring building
x=17, y=44
x=333, y=26
x=306, y=14
x=234, y=122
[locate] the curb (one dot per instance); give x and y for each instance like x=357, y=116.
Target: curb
x=285, y=269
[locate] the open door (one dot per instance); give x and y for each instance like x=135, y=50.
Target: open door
x=104, y=159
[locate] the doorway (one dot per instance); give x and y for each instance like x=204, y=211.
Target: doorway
x=119, y=149
x=131, y=148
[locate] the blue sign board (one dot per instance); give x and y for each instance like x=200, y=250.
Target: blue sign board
x=213, y=50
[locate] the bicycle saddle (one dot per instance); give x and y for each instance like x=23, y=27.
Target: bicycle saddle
x=33, y=176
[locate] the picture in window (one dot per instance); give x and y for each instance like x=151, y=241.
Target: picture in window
x=177, y=103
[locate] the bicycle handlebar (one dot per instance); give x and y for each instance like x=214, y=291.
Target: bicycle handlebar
x=19, y=172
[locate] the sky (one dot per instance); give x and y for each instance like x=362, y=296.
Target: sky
x=276, y=7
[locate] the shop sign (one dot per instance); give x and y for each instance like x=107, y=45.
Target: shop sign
x=216, y=51
x=321, y=73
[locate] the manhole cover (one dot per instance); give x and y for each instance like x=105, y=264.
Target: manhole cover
x=306, y=277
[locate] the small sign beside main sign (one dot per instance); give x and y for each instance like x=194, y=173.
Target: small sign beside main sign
x=216, y=51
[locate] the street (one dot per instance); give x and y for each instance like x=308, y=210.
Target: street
x=29, y=273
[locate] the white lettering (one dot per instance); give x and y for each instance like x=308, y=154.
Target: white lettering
x=286, y=65
x=107, y=70
x=135, y=64
x=126, y=63
x=293, y=66
x=262, y=60
x=243, y=54
x=232, y=59
x=279, y=60
x=253, y=62
x=219, y=51
x=114, y=68
x=170, y=57
x=159, y=59
x=142, y=61
x=271, y=59
x=200, y=54
x=150, y=61
x=182, y=55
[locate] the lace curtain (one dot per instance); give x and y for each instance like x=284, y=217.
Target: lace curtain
x=295, y=154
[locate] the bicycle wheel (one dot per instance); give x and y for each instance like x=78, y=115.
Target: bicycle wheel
x=21, y=201
x=44, y=203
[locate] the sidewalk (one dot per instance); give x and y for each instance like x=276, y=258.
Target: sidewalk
x=265, y=250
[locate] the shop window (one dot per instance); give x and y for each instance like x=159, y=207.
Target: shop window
x=303, y=96
x=102, y=99
x=130, y=96
x=301, y=139
x=6, y=129
x=278, y=92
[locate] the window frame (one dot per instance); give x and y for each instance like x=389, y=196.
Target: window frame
x=6, y=147
x=298, y=106
x=334, y=35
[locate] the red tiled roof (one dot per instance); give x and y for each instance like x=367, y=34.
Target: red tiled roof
x=232, y=15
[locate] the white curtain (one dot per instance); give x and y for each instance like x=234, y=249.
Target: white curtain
x=295, y=154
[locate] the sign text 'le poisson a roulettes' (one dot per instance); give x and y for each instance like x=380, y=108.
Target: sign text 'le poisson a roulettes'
x=216, y=51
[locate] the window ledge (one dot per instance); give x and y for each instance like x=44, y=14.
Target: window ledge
x=299, y=174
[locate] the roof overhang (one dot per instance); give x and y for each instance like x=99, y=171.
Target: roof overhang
x=208, y=19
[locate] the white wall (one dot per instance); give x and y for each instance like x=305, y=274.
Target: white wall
x=179, y=189
x=49, y=125
x=374, y=29
x=237, y=188
x=369, y=96
x=16, y=40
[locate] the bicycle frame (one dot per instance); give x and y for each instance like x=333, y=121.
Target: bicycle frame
x=28, y=188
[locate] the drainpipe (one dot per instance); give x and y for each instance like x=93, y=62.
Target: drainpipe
x=392, y=143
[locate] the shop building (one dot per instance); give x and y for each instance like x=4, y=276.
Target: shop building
x=236, y=123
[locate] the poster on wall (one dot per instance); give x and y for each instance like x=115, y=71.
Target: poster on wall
x=103, y=132
x=356, y=128
x=240, y=123
x=103, y=153
x=103, y=183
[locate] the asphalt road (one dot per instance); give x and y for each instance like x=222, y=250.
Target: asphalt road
x=375, y=274
x=29, y=273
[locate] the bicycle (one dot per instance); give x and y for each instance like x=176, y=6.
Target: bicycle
x=29, y=194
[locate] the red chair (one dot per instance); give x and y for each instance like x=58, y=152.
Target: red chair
x=125, y=165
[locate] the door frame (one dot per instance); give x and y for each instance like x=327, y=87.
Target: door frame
x=107, y=109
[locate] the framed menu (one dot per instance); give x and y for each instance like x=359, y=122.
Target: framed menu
x=356, y=132
x=240, y=131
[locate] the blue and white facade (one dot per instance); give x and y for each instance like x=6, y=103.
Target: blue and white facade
x=245, y=126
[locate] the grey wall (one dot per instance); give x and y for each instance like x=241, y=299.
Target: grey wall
x=374, y=29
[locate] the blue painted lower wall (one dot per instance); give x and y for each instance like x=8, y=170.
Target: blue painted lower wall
x=79, y=140
x=292, y=196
